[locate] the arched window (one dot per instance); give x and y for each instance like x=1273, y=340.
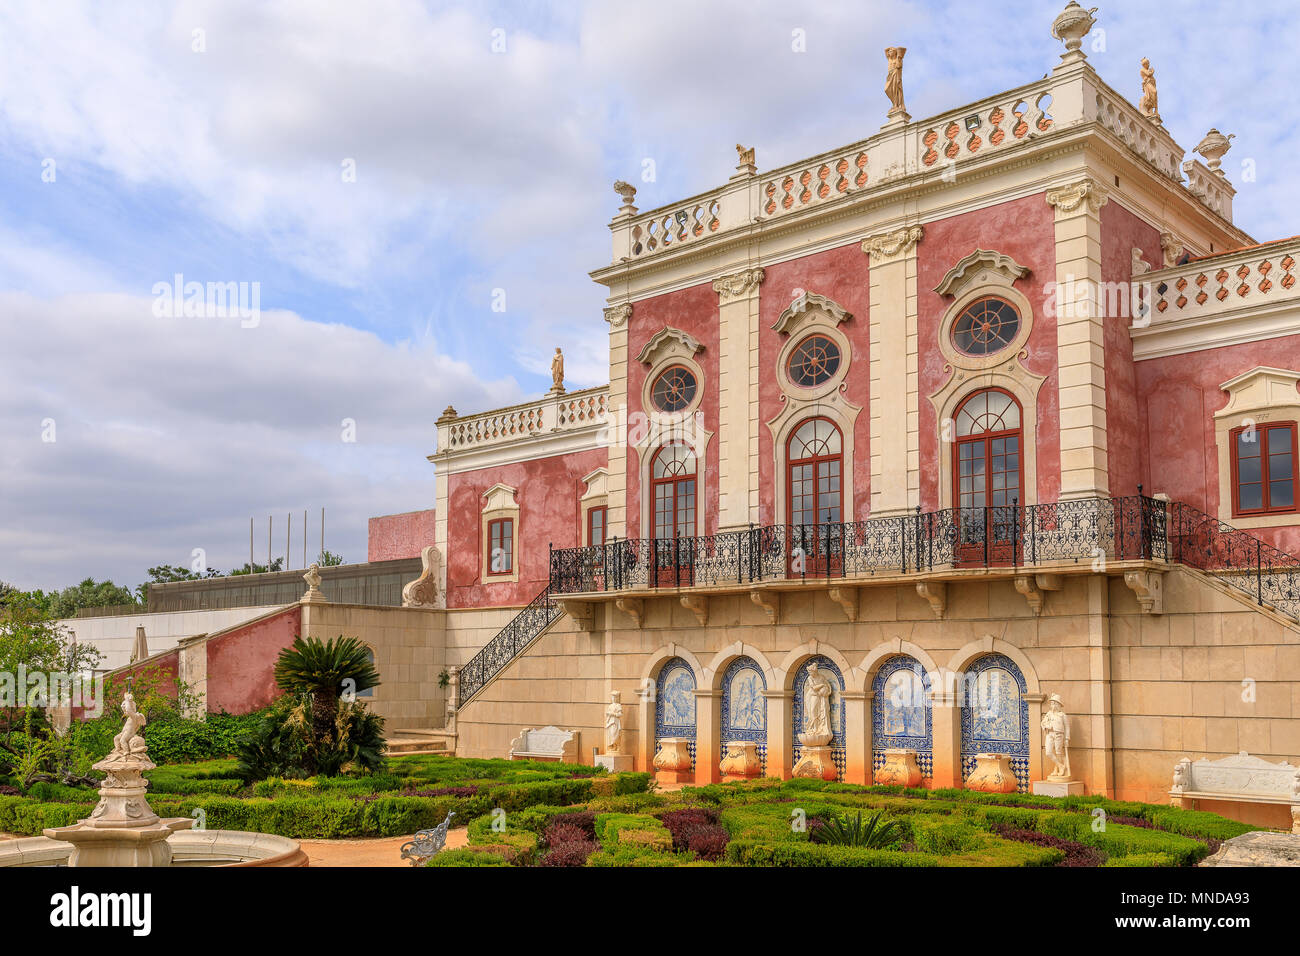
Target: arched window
x=815, y=461
x=672, y=477
x=988, y=469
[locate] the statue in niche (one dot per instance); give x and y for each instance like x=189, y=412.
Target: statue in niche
x=894, y=79
x=1148, y=103
x=1056, y=738
x=614, y=724
x=817, y=693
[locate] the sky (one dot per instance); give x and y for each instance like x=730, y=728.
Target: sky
x=382, y=174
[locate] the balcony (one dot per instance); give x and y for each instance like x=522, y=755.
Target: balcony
x=1035, y=544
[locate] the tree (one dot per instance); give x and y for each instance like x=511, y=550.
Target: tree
x=325, y=670
x=276, y=565
x=89, y=593
x=328, y=559
x=31, y=638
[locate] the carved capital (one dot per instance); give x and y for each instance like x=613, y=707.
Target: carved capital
x=1083, y=196
x=617, y=315
x=1172, y=247
x=769, y=601
x=898, y=244
x=936, y=592
x=738, y=285
x=698, y=605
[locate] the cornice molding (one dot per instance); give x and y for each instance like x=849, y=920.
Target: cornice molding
x=979, y=261
x=810, y=301
x=669, y=339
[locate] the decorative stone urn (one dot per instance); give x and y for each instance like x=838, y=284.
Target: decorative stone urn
x=122, y=830
x=992, y=774
x=1070, y=27
x=741, y=761
x=900, y=769
x=672, y=761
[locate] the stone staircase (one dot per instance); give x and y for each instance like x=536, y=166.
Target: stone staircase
x=411, y=741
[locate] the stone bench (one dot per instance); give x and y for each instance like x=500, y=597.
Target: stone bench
x=545, y=743
x=1239, y=779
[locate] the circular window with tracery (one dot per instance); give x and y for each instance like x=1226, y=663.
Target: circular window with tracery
x=815, y=360
x=674, y=389
x=986, y=326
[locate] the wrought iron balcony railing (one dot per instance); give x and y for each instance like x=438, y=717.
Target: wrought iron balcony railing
x=512, y=640
x=1090, y=529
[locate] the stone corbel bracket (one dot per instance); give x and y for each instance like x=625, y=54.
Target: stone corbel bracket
x=769, y=601
x=1148, y=585
x=698, y=605
x=582, y=612
x=633, y=608
x=936, y=592
x=848, y=599
x=1034, y=586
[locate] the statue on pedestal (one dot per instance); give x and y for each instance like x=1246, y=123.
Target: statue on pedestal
x=557, y=373
x=817, y=709
x=1148, y=103
x=1056, y=738
x=894, y=81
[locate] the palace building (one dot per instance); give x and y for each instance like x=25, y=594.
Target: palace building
x=986, y=408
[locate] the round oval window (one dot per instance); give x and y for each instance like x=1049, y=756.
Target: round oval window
x=815, y=360
x=673, y=390
x=985, y=326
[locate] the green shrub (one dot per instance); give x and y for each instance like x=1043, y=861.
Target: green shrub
x=946, y=835
x=466, y=857
x=628, y=829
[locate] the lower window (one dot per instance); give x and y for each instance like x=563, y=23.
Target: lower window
x=1264, y=469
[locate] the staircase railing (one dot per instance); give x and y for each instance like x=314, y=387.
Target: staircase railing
x=1234, y=557
x=510, y=641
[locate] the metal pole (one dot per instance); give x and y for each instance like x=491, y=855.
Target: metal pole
x=304, y=537
x=250, y=545
x=269, y=523
x=288, y=531
x=322, y=530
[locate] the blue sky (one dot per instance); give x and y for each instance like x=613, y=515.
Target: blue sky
x=475, y=171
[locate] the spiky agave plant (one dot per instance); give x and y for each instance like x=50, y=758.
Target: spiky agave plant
x=852, y=831
x=323, y=669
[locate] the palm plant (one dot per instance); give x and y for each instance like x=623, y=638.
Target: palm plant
x=852, y=831
x=323, y=669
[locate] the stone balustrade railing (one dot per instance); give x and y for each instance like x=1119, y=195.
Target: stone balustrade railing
x=1214, y=285
x=547, y=415
x=1055, y=105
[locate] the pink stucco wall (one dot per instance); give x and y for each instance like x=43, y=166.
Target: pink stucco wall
x=840, y=275
x=399, y=536
x=1178, y=396
x=549, y=514
x=1024, y=230
x=695, y=312
x=1121, y=233
x=241, y=662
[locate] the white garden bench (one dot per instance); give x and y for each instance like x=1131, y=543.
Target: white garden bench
x=545, y=743
x=1240, y=779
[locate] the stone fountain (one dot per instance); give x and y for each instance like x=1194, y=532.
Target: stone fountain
x=124, y=831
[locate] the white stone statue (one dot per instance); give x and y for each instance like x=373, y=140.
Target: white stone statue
x=1182, y=775
x=1056, y=738
x=817, y=709
x=129, y=742
x=312, y=577
x=614, y=724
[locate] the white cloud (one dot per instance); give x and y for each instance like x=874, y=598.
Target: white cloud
x=170, y=432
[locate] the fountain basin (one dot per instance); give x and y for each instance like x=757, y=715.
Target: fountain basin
x=188, y=847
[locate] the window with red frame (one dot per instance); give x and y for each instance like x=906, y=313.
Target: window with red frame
x=1264, y=469
x=501, y=546
x=596, y=527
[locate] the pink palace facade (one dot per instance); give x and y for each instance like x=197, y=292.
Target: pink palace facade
x=988, y=407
